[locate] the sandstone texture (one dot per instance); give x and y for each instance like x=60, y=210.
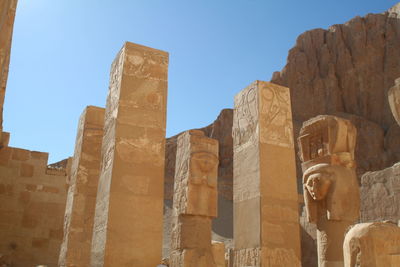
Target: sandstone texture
x=374, y=244
x=128, y=217
x=222, y=226
x=32, y=204
x=81, y=198
x=266, y=222
x=348, y=69
x=380, y=195
x=195, y=200
x=7, y=16
x=331, y=190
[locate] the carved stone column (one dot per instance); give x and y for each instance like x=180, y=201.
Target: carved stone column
x=129, y=205
x=266, y=221
x=331, y=191
x=195, y=200
x=7, y=16
x=81, y=198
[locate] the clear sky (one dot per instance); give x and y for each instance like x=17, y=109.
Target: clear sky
x=62, y=51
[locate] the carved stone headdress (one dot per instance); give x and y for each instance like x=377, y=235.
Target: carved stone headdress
x=327, y=139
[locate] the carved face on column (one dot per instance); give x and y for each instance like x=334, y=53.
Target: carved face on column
x=331, y=191
x=202, y=187
x=318, y=185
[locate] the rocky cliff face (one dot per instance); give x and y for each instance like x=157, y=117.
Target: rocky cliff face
x=347, y=71
x=344, y=71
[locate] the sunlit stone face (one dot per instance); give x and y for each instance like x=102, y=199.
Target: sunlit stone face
x=203, y=169
x=202, y=187
x=318, y=185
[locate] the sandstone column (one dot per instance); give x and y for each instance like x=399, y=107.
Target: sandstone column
x=331, y=191
x=7, y=15
x=394, y=100
x=266, y=222
x=81, y=198
x=195, y=200
x=129, y=205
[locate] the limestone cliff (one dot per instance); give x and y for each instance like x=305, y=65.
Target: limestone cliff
x=347, y=70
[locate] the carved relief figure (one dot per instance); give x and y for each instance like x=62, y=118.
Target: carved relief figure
x=195, y=200
x=374, y=244
x=331, y=191
x=202, y=188
x=277, y=116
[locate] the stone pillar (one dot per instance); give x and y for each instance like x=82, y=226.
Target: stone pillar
x=394, y=100
x=129, y=205
x=266, y=221
x=7, y=15
x=195, y=200
x=81, y=198
x=218, y=250
x=331, y=191
x=375, y=244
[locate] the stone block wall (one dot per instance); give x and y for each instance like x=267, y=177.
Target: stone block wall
x=32, y=204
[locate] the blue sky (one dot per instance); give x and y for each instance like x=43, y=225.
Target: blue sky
x=62, y=52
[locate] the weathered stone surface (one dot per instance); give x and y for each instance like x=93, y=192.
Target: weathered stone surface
x=266, y=226
x=348, y=68
x=374, y=244
x=380, y=195
x=128, y=217
x=331, y=193
x=218, y=251
x=32, y=204
x=81, y=198
x=222, y=226
x=195, y=200
x=7, y=15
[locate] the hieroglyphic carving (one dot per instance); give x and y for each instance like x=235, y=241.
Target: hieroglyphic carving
x=277, y=116
x=128, y=220
x=245, y=123
x=249, y=257
x=264, y=171
x=380, y=195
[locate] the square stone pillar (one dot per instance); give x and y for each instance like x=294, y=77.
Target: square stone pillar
x=195, y=200
x=81, y=198
x=129, y=206
x=266, y=221
x=7, y=16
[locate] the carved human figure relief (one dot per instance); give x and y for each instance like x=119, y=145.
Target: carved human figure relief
x=195, y=200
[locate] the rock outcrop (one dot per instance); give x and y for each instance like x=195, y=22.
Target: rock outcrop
x=346, y=71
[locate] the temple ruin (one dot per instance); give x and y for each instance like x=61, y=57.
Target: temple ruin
x=303, y=171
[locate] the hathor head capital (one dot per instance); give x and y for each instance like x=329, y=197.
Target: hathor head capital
x=327, y=139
